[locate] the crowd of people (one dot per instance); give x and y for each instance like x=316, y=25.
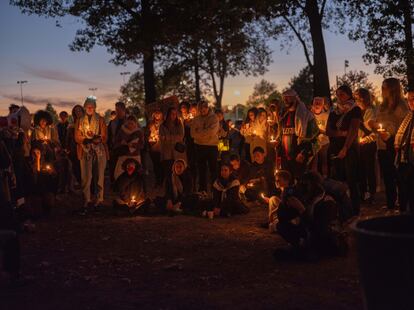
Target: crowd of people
x=310, y=165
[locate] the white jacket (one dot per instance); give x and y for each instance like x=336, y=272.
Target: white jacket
x=204, y=129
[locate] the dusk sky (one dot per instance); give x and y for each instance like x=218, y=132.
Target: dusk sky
x=34, y=49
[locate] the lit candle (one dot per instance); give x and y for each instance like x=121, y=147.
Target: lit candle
x=269, y=119
x=29, y=133
x=133, y=199
x=190, y=116
x=254, y=132
x=48, y=168
x=380, y=129
x=262, y=195
x=250, y=184
x=272, y=139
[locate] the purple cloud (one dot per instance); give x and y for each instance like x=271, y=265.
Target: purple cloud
x=42, y=101
x=52, y=74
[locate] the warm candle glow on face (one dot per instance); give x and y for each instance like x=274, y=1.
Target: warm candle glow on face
x=48, y=167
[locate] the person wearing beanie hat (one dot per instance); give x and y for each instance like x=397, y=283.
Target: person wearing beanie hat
x=91, y=137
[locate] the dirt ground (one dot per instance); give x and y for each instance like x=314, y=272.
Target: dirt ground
x=104, y=261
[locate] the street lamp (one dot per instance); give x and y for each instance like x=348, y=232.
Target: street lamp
x=123, y=74
x=21, y=89
x=93, y=89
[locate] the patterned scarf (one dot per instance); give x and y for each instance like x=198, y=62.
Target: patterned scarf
x=398, y=143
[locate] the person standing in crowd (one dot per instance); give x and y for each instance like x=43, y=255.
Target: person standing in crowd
x=114, y=127
x=226, y=199
x=184, y=112
x=390, y=114
x=204, y=130
x=223, y=145
x=320, y=161
x=153, y=138
x=71, y=145
x=368, y=145
x=91, y=137
x=171, y=139
x=62, y=128
x=342, y=130
x=189, y=142
x=297, y=135
x=261, y=131
x=128, y=144
x=247, y=132
x=404, y=145
x=45, y=133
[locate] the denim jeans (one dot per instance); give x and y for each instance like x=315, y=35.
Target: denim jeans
x=87, y=164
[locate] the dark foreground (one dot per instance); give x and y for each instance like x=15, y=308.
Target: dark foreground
x=103, y=261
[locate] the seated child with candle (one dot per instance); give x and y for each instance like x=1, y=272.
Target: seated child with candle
x=226, y=199
x=240, y=169
x=261, y=177
x=42, y=183
x=129, y=188
x=179, y=194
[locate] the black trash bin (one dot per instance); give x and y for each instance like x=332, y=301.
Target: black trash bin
x=385, y=248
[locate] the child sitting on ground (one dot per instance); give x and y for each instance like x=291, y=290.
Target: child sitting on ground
x=129, y=187
x=226, y=200
x=179, y=194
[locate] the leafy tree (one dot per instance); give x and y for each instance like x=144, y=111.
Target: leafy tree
x=263, y=92
x=305, y=20
x=49, y=108
x=356, y=79
x=303, y=85
x=385, y=27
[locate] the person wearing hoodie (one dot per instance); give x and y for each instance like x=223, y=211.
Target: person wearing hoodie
x=129, y=187
x=179, y=194
x=226, y=199
x=297, y=135
x=91, y=137
x=171, y=139
x=204, y=130
x=128, y=144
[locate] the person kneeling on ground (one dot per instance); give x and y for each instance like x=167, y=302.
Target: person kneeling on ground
x=226, y=199
x=261, y=177
x=129, y=187
x=179, y=194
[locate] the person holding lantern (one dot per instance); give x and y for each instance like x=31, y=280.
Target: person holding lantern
x=91, y=137
x=390, y=115
x=297, y=135
x=404, y=145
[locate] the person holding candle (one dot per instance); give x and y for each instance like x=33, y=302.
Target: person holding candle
x=320, y=162
x=204, y=130
x=45, y=133
x=71, y=145
x=240, y=169
x=223, y=134
x=91, y=137
x=404, y=146
x=297, y=135
x=390, y=115
x=226, y=199
x=153, y=138
x=368, y=145
x=247, y=132
x=129, y=187
x=171, y=139
x=342, y=130
x=261, y=130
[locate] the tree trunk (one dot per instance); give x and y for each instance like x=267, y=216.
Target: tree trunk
x=320, y=65
x=197, y=77
x=409, y=51
x=148, y=55
x=149, y=77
